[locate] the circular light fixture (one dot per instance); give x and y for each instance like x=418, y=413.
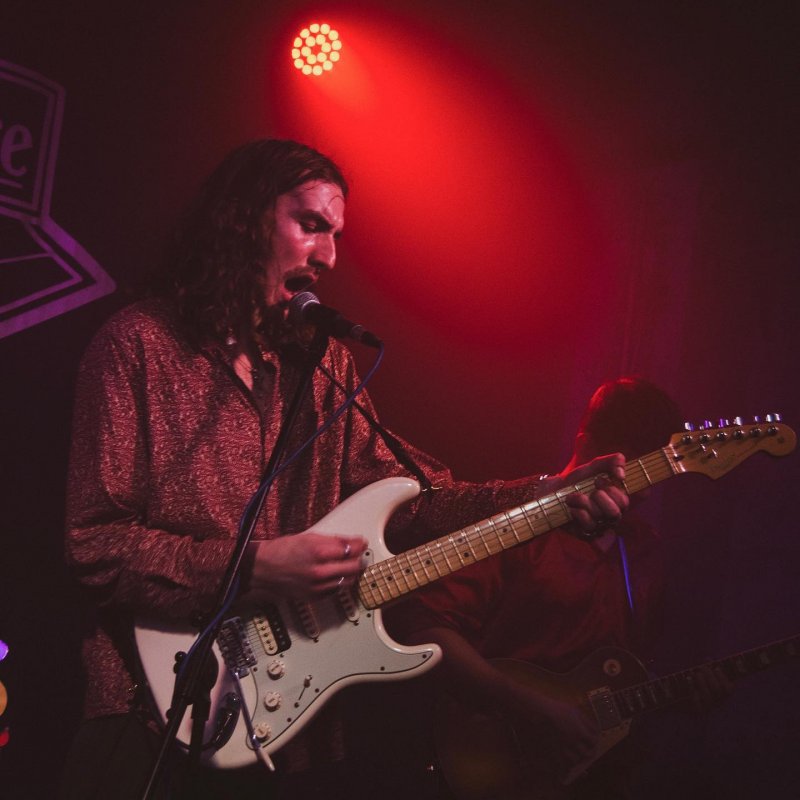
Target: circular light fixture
x=316, y=49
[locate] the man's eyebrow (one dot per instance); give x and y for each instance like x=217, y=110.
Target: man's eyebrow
x=310, y=214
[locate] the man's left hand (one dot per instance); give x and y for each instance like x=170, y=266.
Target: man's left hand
x=603, y=506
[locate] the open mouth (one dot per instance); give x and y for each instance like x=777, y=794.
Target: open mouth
x=298, y=283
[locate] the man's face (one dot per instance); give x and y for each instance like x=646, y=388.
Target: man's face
x=305, y=224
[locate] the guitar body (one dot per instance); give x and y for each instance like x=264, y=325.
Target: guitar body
x=296, y=655
x=482, y=757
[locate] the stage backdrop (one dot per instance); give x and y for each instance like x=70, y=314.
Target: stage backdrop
x=544, y=196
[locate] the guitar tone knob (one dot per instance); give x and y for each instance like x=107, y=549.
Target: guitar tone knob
x=262, y=731
x=272, y=701
x=276, y=669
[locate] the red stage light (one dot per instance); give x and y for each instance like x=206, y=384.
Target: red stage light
x=316, y=49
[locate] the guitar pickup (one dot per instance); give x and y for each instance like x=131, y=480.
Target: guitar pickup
x=271, y=631
x=604, y=708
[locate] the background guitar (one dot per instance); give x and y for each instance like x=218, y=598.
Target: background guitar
x=484, y=757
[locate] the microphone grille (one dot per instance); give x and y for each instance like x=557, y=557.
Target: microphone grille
x=298, y=305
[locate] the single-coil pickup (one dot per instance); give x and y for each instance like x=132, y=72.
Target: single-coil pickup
x=308, y=619
x=348, y=603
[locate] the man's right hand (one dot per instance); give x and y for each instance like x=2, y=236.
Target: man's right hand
x=302, y=566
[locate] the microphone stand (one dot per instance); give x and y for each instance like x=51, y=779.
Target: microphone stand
x=194, y=688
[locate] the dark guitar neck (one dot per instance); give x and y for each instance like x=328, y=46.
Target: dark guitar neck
x=665, y=691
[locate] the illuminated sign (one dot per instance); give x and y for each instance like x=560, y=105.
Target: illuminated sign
x=44, y=272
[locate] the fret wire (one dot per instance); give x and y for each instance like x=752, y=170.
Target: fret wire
x=563, y=506
x=539, y=523
x=443, y=547
x=643, y=468
x=478, y=533
x=437, y=554
x=403, y=572
x=497, y=537
x=513, y=525
x=376, y=582
x=530, y=523
x=468, y=541
x=458, y=549
x=519, y=522
x=422, y=563
x=502, y=530
x=505, y=533
x=364, y=589
x=388, y=582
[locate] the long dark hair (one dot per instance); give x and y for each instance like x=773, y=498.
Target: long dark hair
x=215, y=264
x=630, y=414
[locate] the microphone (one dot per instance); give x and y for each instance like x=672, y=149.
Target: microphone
x=305, y=307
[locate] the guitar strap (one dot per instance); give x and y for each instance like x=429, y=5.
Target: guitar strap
x=396, y=447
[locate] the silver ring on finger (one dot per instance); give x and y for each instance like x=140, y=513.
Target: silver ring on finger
x=346, y=552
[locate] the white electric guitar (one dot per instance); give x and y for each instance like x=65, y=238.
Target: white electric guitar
x=277, y=669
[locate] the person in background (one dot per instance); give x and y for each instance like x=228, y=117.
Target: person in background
x=553, y=603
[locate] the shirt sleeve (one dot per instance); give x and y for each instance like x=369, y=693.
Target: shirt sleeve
x=109, y=545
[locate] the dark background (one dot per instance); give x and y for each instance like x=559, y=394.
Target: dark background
x=545, y=195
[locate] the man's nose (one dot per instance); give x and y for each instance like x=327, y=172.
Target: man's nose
x=324, y=255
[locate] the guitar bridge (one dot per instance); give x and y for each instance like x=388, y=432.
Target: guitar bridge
x=235, y=647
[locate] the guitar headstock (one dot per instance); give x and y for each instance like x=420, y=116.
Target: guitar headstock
x=715, y=451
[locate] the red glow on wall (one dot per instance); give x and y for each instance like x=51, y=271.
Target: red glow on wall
x=461, y=198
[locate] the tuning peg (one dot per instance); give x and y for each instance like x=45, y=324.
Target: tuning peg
x=738, y=421
x=707, y=424
x=756, y=419
x=773, y=417
x=688, y=426
x=724, y=423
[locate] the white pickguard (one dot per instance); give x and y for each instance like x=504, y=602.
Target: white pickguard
x=352, y=646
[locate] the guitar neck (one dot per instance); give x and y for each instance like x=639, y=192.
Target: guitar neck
x=395, y=577
x=670, y=689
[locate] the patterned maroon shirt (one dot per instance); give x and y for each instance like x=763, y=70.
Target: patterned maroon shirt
x=169, y=446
